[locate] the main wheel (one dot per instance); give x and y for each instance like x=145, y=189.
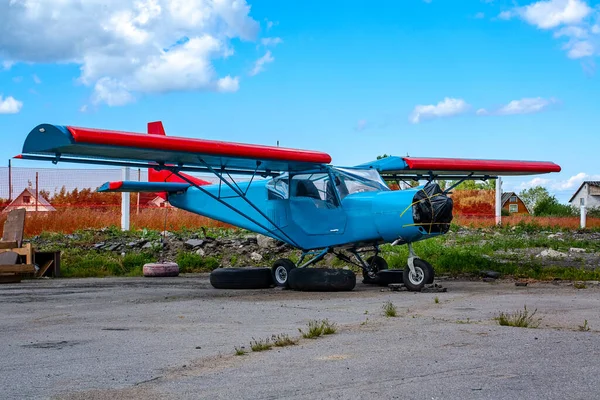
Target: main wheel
x=322, y=279
x=377, y=264
x=241, y=278
x=417, y=280
x=281, y=271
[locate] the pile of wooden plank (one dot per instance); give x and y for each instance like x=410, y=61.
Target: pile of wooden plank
x=17, y=259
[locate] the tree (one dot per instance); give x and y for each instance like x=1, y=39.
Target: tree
x=532, y=196
x=490, y=184
x=550, y=206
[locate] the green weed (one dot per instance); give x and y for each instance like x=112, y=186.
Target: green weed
x=585, y=327
x=318, y=328
x=389, y=309
x=240, y=351
x=261, y=344
x=283, y=340
x=519, y=319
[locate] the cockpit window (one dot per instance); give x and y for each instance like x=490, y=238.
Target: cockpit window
x=317, y=186
x=358, y=180
x=278, y=187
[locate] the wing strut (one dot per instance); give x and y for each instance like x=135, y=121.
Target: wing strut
x=241, y=195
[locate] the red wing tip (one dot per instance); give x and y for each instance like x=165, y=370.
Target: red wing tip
x=115, y=185
x=20, y=156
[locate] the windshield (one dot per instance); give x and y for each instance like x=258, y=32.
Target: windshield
x=355, y=180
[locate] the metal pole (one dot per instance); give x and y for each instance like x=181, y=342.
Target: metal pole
x=137, y=212
x=9, y=182
x=125, y=202
x=36, y=191
x=498, y=201
x=583, y=215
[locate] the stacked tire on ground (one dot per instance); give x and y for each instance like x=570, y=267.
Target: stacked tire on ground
x=160, y=269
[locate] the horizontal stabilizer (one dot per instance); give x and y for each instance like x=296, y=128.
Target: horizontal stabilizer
x=149, y=187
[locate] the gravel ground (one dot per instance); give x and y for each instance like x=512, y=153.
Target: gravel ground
x=155, y=338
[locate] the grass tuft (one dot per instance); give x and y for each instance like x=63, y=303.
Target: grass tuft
x=436, y=300
x=240, y=351
x=585, y=327
x=389, y=309
x=519, y=319
x=318, y=328
x=261, y=344
x=283, y=340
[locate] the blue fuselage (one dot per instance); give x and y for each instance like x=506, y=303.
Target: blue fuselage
x=365, y=218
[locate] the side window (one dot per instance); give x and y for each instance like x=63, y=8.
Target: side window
x=278, y=188
x=315, y=186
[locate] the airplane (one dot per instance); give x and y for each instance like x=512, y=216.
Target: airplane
x=292, y=195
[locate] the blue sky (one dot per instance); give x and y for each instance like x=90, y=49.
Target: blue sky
x=475, y=78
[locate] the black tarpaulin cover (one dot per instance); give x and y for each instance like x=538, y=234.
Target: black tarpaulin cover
x=432, y=209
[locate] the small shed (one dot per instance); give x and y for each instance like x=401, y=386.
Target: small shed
x=27, y=201
x=512, y=203
x=588, y=195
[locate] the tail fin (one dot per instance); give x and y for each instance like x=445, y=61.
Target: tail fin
x=156, y=128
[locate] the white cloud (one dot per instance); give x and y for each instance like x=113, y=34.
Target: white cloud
x=361, y=125
x=482, y=111
x=579, y=49
x=558, y=185
x=525, y=106
x=271, y=41
x=445, y=108
x=552, y=13
x=479, y=15
x=129, y=47
x=259, y=65
x=6, y=65
x=83, y=108
x=10, y=105
x=506, y=15
x=36, y=79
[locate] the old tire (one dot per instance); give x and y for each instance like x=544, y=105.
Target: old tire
x=415, y=282
x=379, y=264
x=388, y=276
x=160, y=269
x=321, y=279
x=281, y=271
x=241, y=278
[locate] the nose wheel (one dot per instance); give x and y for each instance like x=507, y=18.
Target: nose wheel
x=417, y=273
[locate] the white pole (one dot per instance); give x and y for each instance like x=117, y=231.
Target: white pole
x=125, y=202
x=498, y=201
x=582, y=221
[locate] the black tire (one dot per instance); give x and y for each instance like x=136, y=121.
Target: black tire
x=281, y=271
x=388, y=276
x=379, y=264
x=321, y=279
x=416, y=283
x=241, y=278
x=425, y=264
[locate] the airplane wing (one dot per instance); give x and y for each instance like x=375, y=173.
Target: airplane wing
x=93, y=146
x=457, y=168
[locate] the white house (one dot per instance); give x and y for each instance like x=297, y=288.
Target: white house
x=26, y=200
x=588, y=194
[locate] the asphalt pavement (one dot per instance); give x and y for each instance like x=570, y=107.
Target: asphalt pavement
x=175, y=338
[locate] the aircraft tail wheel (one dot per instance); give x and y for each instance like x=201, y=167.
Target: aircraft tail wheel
x=417, y=280
x=322, y=279
x=378, y=264
x=281, y=271
x=241, y=278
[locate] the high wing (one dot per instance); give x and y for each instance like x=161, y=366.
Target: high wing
x=93, y=146
x=457, y=168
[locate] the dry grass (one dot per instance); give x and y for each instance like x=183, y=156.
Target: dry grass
x=73, y=219
x=486, y=221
